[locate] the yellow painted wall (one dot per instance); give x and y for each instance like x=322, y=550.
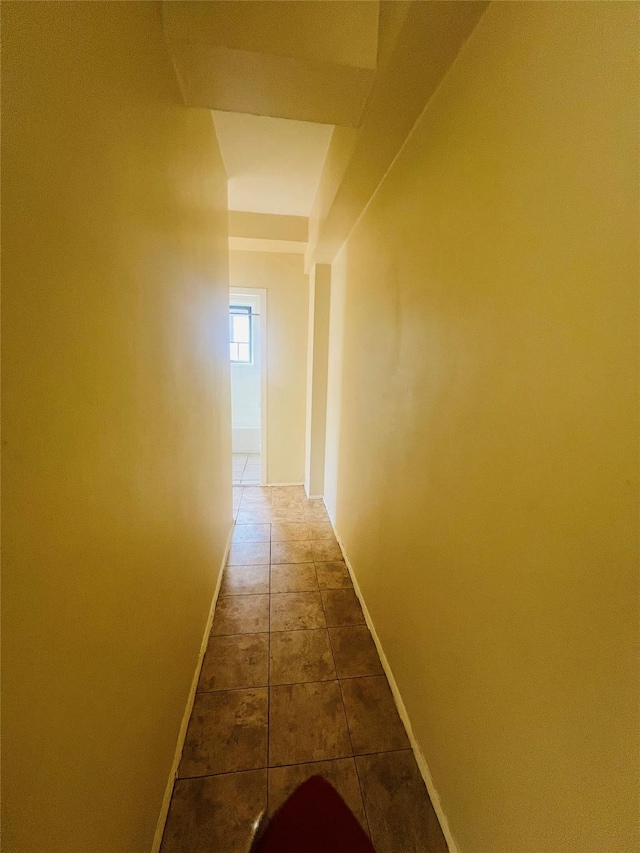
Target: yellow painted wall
x=287, y=323
x=268, y=226
x=484, y=423
x=343, y=140
x=419, y=42
x=318, y=354
x=320, y=31
x=116, y=457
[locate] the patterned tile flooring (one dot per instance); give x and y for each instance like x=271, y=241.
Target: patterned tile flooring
x=292, y=686
x=246, y=469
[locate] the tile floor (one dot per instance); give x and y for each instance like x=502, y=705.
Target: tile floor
x=246, y=469
x=291, y=686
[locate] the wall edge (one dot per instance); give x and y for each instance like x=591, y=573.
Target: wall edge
x=166, y=800
x=421, y=761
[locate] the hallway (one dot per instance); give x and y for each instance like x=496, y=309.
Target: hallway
x=291, y=686
x=246, y=469
x=424, y=218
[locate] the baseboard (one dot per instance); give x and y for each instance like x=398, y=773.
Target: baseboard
x=415, y=746
x=272, y=485
x=166, y=800
x=245, y=441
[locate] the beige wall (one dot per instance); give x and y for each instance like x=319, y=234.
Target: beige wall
x=287, y=321
x=484, y=422
x=319, y=307
x=116, y=462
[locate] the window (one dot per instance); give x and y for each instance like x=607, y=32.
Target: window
x=240, y=334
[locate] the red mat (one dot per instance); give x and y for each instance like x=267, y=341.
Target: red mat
x=315, y=819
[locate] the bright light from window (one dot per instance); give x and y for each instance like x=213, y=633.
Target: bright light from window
x=240, y=334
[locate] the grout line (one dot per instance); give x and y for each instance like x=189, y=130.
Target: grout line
x=292, y=764
x=364, y=807
x=421, y=761
x=353, y=752
x=344, y=711
x=239, y=595
x=191, y=698
x=232, y=689
x=284, y=683
x=286, y=630
x=355, y=763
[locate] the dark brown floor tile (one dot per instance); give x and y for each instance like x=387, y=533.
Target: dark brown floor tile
x=307, y=723
x=291, y=552
x=325, y=549
x=341, y=773
x=289, y=531
x=354, y=652
x=251, y=533
x=398, y=807
x=374, y=722
x=333, y=575
x=320, y=530
x=293, y=577
x=241, y=660
x=227, y=732
x=245, y=580
x=342, y=607
x=295, y=611
x=297, y=656
x=241, y=614
x=249, y=554
x=215, y=813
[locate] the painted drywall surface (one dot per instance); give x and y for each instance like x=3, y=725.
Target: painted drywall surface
x=116, y=463
x=420, y=42
x=273, y=165
x=335, y=360
x=268, y=226
x=486, y=479
x=343, y=140
x=317, y=376
x=287, y=322
x=345, y=34
x=309, y=398
x=313, y=62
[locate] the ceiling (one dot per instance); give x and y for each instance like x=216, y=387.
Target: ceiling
x=311, y=101
x=278, y=76
x=273, y=164
x=309, y=61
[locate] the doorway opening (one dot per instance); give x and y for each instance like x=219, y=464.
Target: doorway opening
x=247, y=353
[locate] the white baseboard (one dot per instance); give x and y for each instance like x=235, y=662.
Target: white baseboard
x=271, y=485
x=166, y=800
x=311, y=497
x=245, y=441
x=415, y=746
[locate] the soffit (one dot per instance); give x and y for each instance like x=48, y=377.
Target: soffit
x=273, y=165
x=310, y=61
